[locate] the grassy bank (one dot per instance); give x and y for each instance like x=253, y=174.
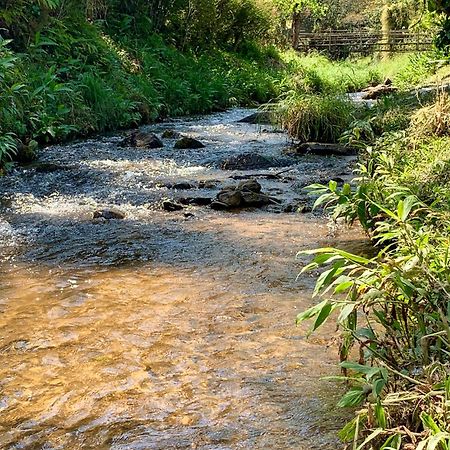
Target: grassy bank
x=74, y=79
x=82, y=82
x=317, y=109
x=393, y=310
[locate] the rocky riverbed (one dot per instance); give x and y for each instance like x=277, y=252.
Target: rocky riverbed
x=129, y=323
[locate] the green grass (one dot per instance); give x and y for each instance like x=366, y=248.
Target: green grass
x=313, y=105
x=314, y=117
x=315, y=73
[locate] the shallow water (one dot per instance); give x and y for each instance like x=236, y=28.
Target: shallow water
x=162, y=331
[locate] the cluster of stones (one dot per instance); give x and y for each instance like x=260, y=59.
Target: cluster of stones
x=144, y=140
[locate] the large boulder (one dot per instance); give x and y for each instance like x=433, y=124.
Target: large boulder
x=256, y=199
x=186, y=143
x=246, y=193
x=249, y=185
x=228, y=199
x=142, y=139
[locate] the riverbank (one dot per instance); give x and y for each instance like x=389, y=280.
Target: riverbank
x=395, y=309
x=78, y=80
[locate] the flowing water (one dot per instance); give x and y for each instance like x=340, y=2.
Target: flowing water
x=163, y=330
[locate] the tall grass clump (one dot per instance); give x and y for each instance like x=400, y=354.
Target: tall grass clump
x=393, y=309
x=432, y=120
x=316, y=117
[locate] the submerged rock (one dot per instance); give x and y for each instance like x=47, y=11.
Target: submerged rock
x=109, y=214
x=188, y=143
x=182, y=186
x=170, y=134
x=47, y=167
x=251, y=161
x=171, y=206
x=196, y=201
x=318, y=148
x=259, y=117
x=297, y=208
x=142, y=139
x=246, y=193
x=207, y=184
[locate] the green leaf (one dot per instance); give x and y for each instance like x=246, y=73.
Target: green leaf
x=378, y=386
x=324, y=199
x=439, y=438
x=311, y=312
x=341, y=253
x=369, y=371
x=404, y=207
x=332, y=185
x=353, y=397
x=428, y=422
x=347, y=433
x=342, y=284
x=366, y=333
x=323, y=315
x=380, y=414
x=345, y=312
x=411, y=263
x=326, y=277
x=346, y=189
x=392, y=443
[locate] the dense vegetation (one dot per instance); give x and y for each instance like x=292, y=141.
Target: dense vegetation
x=67, y=70
x=393, y=309
x=72, y=68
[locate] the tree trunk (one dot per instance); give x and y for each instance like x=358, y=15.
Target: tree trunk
x=296, y=24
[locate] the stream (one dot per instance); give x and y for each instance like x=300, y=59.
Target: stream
x=164, y=330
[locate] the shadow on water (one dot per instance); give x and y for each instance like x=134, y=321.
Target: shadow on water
x=159, y=331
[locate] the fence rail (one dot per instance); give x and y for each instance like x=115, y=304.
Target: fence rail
x=396, y=41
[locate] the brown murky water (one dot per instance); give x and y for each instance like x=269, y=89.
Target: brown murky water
x=160, y=331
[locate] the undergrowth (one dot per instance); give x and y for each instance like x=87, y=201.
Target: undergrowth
x=393, y=310
x=77, y=81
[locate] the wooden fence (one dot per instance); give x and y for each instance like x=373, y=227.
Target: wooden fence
x=365, y=41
